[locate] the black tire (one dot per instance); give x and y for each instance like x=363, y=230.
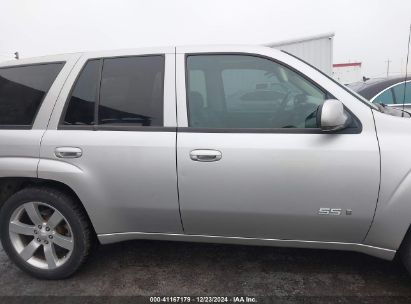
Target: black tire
x=405, y=251
x=83, y=235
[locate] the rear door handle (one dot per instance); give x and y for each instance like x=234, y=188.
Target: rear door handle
x=205, y=155
x=68, y=152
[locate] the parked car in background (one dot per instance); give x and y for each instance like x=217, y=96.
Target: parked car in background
x=226, y=144
x=388, y=91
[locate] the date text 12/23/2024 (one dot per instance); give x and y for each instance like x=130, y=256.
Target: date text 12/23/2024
x=203, y=299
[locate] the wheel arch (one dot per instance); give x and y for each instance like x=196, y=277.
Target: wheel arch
x=11, y=185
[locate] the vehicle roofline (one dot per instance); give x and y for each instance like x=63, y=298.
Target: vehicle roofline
x=191, y=47
x=39, y=59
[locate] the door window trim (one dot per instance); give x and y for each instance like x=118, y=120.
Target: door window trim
x=351, y=130
x=112, y=127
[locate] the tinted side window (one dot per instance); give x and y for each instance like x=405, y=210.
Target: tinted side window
x=22, y=90
x=386, y=97
x=80, y=110
x=399, y=93
x=245, y=91
x=198, y=83
x=132, y=91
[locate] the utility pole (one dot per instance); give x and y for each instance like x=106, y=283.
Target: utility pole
x=388, y=66
x=401, y=65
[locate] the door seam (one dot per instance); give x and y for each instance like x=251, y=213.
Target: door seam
x=176, y=141
x=380, y=176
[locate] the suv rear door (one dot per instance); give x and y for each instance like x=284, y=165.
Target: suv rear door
x=112, y=139
x=252, y=161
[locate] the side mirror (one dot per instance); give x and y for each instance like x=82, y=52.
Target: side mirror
x=331, y=116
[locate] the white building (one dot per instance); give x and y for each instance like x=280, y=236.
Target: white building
x=316, y=50
x=347, y=72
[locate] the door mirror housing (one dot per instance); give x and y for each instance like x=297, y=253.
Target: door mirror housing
x=331, y=116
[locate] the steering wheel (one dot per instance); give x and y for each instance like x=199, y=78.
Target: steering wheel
x=297, y=117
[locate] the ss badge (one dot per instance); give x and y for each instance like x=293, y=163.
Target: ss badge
x=330, y=211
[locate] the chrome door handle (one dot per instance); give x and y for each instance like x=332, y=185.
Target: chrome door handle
x=68, y=152
x=205, y=155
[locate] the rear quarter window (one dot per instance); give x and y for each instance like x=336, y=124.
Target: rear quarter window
x=22, y=90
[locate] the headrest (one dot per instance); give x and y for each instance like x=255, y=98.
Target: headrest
x=196, y=100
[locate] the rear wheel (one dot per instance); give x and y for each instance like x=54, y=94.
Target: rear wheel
x=45, y=232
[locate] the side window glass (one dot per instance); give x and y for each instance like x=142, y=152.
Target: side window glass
x=80, y=110
x=399, y=93
x=132, y=91
x=198, y=85
x=22, y=90
x=386, y=98
x=245, y=91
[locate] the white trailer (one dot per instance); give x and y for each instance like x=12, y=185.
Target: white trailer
x=347, y=72
x=316, y=50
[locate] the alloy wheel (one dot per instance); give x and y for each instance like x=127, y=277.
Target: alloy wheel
x=41, y=235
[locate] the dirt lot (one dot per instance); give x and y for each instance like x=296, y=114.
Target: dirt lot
x=180, y=269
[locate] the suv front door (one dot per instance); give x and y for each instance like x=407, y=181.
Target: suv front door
x=253, y=163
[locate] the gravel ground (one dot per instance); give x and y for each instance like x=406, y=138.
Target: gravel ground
x=180, y=269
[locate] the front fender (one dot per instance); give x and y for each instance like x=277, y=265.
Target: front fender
x=393, y=216
x=393, y=213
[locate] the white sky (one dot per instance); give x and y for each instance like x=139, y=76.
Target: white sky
x=370, y=31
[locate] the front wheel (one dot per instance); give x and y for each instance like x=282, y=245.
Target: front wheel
x=45, y=232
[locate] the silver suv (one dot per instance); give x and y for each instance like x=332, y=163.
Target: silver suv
x=227, y=144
